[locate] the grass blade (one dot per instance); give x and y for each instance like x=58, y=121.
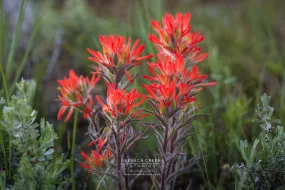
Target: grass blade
x=24, y=60
x=15, y=40
x=1, y=53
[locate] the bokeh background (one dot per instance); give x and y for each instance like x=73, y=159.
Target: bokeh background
x=244, y=39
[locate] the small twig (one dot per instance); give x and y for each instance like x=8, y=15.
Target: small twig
x=102, y=178
x=104, y=173
x=189, y=185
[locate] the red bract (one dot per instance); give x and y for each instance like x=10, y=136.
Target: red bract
x=100, y=141
x=117, y=55
x=167, y=68
x=95, y=159
x=171, y=94
x=75, y=93
x=121, y=103
x=174, y=36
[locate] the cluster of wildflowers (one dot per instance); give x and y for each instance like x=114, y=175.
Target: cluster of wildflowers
x=76, y=93
x=117, y=58
x=175, y=37
x=120, y=104
x=119, y=108
x=175, y=81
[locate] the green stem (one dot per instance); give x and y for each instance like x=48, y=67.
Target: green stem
x=4, y=153
x=4, y=82
x=8, y=169
x=10, y=156
x=204, y=161
x=1, y=51
x=73, y=149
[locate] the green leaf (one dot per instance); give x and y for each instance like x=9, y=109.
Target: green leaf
x=243, y=147
x=9, y=66
x=253, y=152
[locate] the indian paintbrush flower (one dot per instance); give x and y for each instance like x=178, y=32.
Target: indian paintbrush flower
x=122, y=103
x=173, y=85
x=75, y=92
x=95, y=160
x=175, y=82
x=175, y=69
x=117, y=58
x=170, y=95
x=175, y=37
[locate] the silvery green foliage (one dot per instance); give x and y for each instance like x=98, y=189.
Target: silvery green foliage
x=264, y=166
x=39, y=175
x=264, y=113
x=33, y=164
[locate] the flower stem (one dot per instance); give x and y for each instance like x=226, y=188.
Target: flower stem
x=172, y=147
x=163, y=176
x=119, y=164
x=73, y=150
x=164, y=163
x=94, y=125
x=127, y=178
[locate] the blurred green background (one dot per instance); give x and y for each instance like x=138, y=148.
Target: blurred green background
x=43, y=40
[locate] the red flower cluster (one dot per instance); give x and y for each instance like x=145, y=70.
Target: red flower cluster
x=116, y=52
x=175, y=81
x=175, y=36
x=170, y=94
x=121, y=103
x=95, y=160
x=174, y=85
x=118, y=56
x=167, y=68
x=75, y=93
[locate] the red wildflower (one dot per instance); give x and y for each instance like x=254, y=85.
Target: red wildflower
x=174, y=36
x=100, y=141
x=117, y=54
x=75, y=93
x=95, y=159
x=167, y=68
x=121, y=103
x=171, y=94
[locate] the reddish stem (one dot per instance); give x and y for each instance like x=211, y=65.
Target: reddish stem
x=164, y=163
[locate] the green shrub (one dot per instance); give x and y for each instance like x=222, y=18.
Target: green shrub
x=26, y=152
x=265, y=159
